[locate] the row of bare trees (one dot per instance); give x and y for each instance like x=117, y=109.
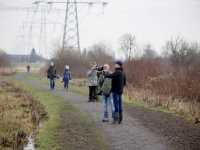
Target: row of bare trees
x=178, y=50
x=79, y=61
x=181, y=52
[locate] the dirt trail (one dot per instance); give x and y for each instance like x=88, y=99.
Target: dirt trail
x=129, y=136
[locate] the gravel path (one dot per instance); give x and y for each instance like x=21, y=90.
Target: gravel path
x=128, y=136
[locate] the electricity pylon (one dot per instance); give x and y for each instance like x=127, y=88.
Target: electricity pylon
x=71, y=29
x=43, y=42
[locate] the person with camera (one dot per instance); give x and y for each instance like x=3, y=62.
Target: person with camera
x=104, y=86
x=118, y=83
x=92, y=83
x=99, y=72
x=51, y=74
x=66, y=77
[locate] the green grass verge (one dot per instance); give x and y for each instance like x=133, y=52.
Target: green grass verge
x=47, y=137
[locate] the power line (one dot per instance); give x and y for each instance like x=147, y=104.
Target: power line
x=91, y=23
x=71, y=30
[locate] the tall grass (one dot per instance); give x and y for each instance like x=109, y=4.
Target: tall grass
x=153, y=82
x=19, y=114
x=7, y=71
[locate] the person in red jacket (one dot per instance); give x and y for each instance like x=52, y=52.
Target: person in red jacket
x=118, y=83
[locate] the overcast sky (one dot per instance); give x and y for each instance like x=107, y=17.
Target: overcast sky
x=152, y=21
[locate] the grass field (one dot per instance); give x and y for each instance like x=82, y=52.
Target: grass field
x=26, y=64
x=67, y=127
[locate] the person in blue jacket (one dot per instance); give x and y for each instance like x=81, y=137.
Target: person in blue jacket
x=66, y=77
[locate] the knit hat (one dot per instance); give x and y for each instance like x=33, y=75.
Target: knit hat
x=119, y=63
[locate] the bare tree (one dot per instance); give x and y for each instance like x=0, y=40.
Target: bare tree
x=128, y=46
x=101, y=52
x=183, y=51
x=196, y=47
x=149, y=52
x=175, y=46
x=166, y=50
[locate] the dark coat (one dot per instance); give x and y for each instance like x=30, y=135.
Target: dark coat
x=52, y=72
x=118, y=80
x=66, y=74
x=28, y=67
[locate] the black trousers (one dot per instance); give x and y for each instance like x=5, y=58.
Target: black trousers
x=92, y=93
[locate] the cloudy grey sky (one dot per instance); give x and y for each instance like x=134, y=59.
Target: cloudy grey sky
x=152, y=21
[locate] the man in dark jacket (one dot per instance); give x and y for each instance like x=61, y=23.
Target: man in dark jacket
x=51, y=74
x=118, y=83
x=28, y=68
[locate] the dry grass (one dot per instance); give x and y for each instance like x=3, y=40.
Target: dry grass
x=19, y=114
x=183, y=107
x=6, y=71
x=24, y=69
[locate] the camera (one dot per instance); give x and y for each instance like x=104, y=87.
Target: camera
x=56, y=76
x=99, y=68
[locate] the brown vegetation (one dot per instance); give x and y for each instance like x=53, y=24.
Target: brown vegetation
x=19, y=114
x=171, y=81
x=6, y=68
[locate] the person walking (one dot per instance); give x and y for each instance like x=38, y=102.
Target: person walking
x=104, y=86
x=92, y=83
x=66, y=77
x=51, y=74
x=118, y=83
x=28, y=68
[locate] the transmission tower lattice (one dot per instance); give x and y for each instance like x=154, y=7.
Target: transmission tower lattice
x=71, y=30
x=30, y=41
x=42, y=42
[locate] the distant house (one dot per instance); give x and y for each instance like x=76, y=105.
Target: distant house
x=19, y=58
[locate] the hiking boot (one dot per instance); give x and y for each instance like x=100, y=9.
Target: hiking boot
x=116, y=118
x=105, y=119
x=89, y=100
x=99, y=93
x=120, y=117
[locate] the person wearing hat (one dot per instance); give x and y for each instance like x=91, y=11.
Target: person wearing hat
x=92, y=83
x=118, y=83
x=66, y=77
